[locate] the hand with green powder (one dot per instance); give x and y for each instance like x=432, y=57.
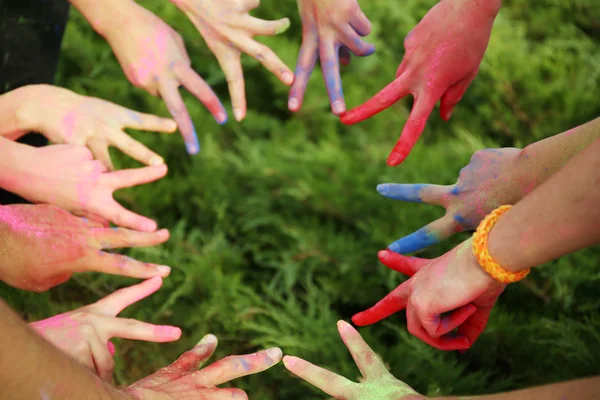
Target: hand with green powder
x=377, y=384
x=228, y=29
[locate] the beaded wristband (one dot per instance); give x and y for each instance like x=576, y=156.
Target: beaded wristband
x=480, y=250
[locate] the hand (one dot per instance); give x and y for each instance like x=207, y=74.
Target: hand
x=329, y=29
x=443, y=53
x=453, y=283
x=182, y=380
x=228, y=29
x=68, y=177
x=65, y=117
x=43, y=246
x=377, y=382
x=84, y=333
x=154, y=58
x=489, y=181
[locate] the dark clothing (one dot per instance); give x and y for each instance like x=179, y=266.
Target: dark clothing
x=31, y=33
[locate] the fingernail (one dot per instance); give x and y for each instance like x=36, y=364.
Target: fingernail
x=275, y=354
x=163, y=232
x=338, y=107
x=149, y=226
x=394, y=247
x=382, y=254
x=238, y=114
x=156, y=161
x=293, y=104
x=284, y=27
x=221, y=118
x=383, y=188
x=207, y=339
x=171, y=125
x=289, y=361
x=288, y=78
x=394, y=159
x=192, y=148
x=343, y=325
x=164, y=270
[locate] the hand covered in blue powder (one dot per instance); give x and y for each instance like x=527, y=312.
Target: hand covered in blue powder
x=487, y=182
x=329, y=30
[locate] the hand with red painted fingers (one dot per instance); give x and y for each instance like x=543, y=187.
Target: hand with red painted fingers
x=492, y=178
x=65, y=117
x=154, y=58
x=228, y=29
x=85, y=333
x=42, y=246
x=183, y=380
x=68, y=177
x=443, y=54
x=447, y=293
x=330, y=30
x=377, y=382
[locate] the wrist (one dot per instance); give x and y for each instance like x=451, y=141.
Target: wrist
x=509, y=257
x=105, y=16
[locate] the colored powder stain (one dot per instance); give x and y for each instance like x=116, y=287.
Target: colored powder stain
x=416, y=241
x=44, y=395
x=134, y=116
x=386, y=390
x=455, y=191
x=245, y=365
x=460, y=220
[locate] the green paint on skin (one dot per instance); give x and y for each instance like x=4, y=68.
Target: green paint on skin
x=283, y=27
x=388, y=388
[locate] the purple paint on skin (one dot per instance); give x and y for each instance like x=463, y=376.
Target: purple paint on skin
x=245, y=364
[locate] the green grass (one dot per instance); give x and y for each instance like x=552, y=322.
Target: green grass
x=276, y=224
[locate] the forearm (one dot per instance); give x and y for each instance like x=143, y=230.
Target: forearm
x=581, y=389
x=11, y=105
x=560, y=217
x=103, y=15
x=12, y=155
x=31, y=368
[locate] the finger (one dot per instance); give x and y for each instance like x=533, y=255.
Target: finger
x=111, y=348
x=453, y=96
x=330, y=383
x=307, y=59
x=127, y=178
x=475, y=324
x=368, y=362
x=257, y=26
x=447, y=342
x=169, y=92
x=121, y=216
x=233, y=367
x=114, y=303
x=231, y=65
x=99, y=148
x=330, y=64
x=354, y=42
x=390, y=304
x=413, y=128
x=194, y=359
x=103, y=361
x=137, y=330
x=92, y=223
x=382, y=100
x=93, y=220
x=361, y=23
x=135, y=149
x=116, y=264
x=222, y=394
x=437, y=326
x=269, y=60
x=416, y=193
x=406, y=265
x=117, y=238
x=429, y=235
x=344, y=55
x=201, y=90
x=147, y=122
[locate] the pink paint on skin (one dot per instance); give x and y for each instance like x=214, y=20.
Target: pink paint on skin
x=69, y=125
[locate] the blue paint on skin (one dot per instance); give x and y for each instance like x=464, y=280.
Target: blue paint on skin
x=409, y=193
x=460, y=220
x=245, y=365
x=194, y=147
x=455, y=190
x=413, y=242
x=134, y=116
x=332, y=78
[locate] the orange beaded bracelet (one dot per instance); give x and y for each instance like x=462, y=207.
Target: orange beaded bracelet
x=480, y=250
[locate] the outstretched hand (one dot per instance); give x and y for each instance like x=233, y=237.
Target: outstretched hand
x=183, y=380
x=154, y=58
x=377, y=384
x=487, y=182
x=84, y=333
x=44, y=245
x=228, y=29
x=330, y=29
x=453, y=284
x=443, y=54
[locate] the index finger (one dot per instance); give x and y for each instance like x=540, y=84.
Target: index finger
x=127, y=178
x=382, y=100
x=169, y=91
x=395, y=301
x=429, y=235
x=233, y=367
x=115, y=238
x=116, y=302
x=330, y=64
x=333, y=384
x=368, y=362
x=415, y=193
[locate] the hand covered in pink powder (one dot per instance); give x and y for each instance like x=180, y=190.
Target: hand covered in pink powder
x=183, y=381
x=492, y=178
x=65, y=117
x=84, y=333
x=377, y=382
x=154, y=58
x=443, y=53
x=42, y=246
x=330, y=29
x=228, y=29
x=453, y=283
x=68, y=177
